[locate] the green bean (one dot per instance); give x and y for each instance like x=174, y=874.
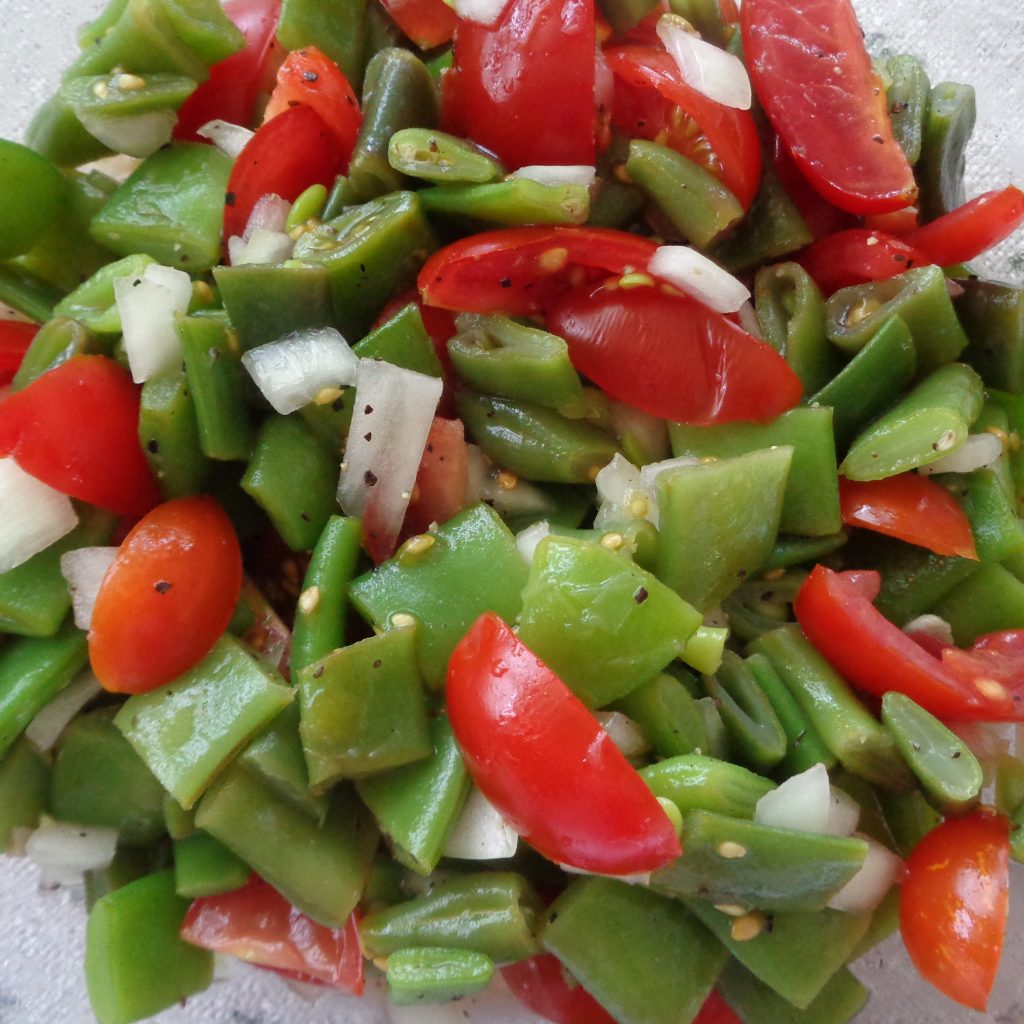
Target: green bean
x=337, y=27
x=205, y=867
x=512, y=202
x=993, y=317
x=947, y=130
x=24, y=786
x=695, y=782
x=436, y=975
x=441, y=158
x=669, y=715
x=989, y=600
x=907, y=95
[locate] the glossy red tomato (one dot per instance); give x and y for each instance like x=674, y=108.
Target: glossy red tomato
x=428, y=23
x=954, y=903
x=440, y=490
x=541, y=983
x=258, y=925
x=527, y=111
x=820, y=216
x=857, y=256
x=541, y=758
x=669, y=355
x=814, y=78
x=15, y=338
x=168, y=596
x=41, y=426
x=911, y=507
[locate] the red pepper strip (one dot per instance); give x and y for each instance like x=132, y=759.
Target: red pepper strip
x=837, y=615
x=541, y=984
x=858, y=256
x=911, y=507
x=971, y=229
x=541, y=758
x=42, y=427
x=15, y=338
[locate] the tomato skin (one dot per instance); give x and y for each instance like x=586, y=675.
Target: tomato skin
x=258, y=925
x=440, y=490
x=41, y=426
x=820, y=216
x=911, y=507
x=857, y=256
x=15, y=338
x=811, y=72
x=428, y=23
x=954, y=904
x=540, y=984
x=541, y=758
x=168, y=596
x=288, y=154
x=716, y=1011
x=669, y=355
x=526, y=111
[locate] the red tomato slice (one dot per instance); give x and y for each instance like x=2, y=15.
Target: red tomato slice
x=954, y=904
x=287, y=155
x=820, y=216
x=233, y=88
x=41, y=426
x=440, y=490
x=716, y=1011
x=526, y=110
x=258, y=925
x=541, y=758
x=543, y=985
x=428, y=23
x=813, y=76
x=669, y=355
x=309, y=76
x=899, y=224
x=858, y=256
x=521, y=271
x=912, y=508
x=972, y=229
x=837, y=615
x=168, y=596
x=653, y=102
x=15, y=338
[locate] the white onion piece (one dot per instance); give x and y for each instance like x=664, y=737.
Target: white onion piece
x=620, y=493
x=229, y=138
x=64, y=851
x=623, y=732
x=32, y=515
x=236, y=246
x=264, y=246
x=480, y=833
x=638, y=878
x=394, y=410
x=44, y=730
x=881, y=870
x=710, y=70
x=749, y=321
x=979, y=451
x=558, y=174
x=147, y=305
x=801, y=803
x=84, y=570
x=291, y=372
x=931, y=625
x=843, y=813
x=270, y=213
x=138, y=135
x=699, y=277
x=528, y=539
x=483, y=12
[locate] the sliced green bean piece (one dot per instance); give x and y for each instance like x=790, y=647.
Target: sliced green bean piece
x=616, y=204
x=694, y=782
x=755, y=733
x=670, y=717
x=908, y=95
x=178, y=822
x=947, y=130
x=24, y=787
x=704, y=650
x=992, y=315
x=57, y=341
x=998, y=532
x=990, y=600
x=436, y=975
x=438, y=157
x=512, y=202
x=790, y=551
x=93, y=304
x=909, y=818
x=55, y=133
x=205, y=867
x=761, y=605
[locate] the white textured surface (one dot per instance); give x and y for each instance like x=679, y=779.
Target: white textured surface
x=41, y=946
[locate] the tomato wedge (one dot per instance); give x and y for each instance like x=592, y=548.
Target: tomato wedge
x=258, y=925
x=813, y=76
x=428, y=23
x=527, y=111
x=440, y=490
x=41, y=426
x=653, y=102
x=15, y=338
x=168, y=596
x=820, y=216
x=954, y=903
x=542, y=984
x=669, y=355
x=837, y=615
x=541, y=758
x=911, y=507
x=716, y=1011
x=521, y=271
x=858, y=256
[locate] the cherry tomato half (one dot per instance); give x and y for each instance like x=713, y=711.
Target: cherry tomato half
x=15, y=338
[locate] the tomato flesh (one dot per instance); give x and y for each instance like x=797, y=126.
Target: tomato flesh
x=168, y=596
x=858, y=256
x=440, y=490
x=15, y=338
x=541, y=984
x=428, y=23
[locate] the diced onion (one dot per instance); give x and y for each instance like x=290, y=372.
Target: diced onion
x=749, y=321
x=480, y=833
x=528, y=539
x=264, y=246
x=623, y=732
x=147, y=305
x=138, y=135
x=881, y=870
x=558, y=174
x=483, y=12
x=44, y=730
x=32, y=515
x=620, y=493
x=65, y=851
x=291, y=372
x=843, y=813
x=229, y=138
x=699, y=277
x=84, y=570
x=801, y=803
x=979, y=451
x=931, y=625
x=270, y=213
x=712, y=71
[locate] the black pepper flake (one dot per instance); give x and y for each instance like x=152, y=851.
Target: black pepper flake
x=304, y=516
x=162, y=586
x=956, y=754
x=318, y=671
x=878, y=139
x=368, y=410
x=641, y=595
x=377, y=663
x=293, y=103
x=153, y=446
x=368, y=436
x=430, y=448
x=370, y=478
x=229, y=199
x=506, y=282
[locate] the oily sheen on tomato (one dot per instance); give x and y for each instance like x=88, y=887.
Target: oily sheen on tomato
x=665, y=353
x=167, y=597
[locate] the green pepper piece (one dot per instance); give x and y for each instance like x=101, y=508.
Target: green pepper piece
x=909, y=818
x=907, y=95
x=32, y=197
x=309, y=205
x=341, y=196
x=24, y=786
x=810, y=504
x=437, y=157
x=509, y=203
x=187, y=730
x=947, y=130
x=492, y=912
x=92, y=304
x=56, y=134
x=205, y=867
x=704, y=650
x=371, y=252
x=697, y=204
x=398, y=92
x=386, y=884
x=668, y=714
x=216, y=381
x=135, y=963
x=603, y=624
x=616, y=204
x=992, y=315
x=694, y=782
x=644, y=958
x=444, y=589
x=171, y=208
x=436, y=975
x=178, y=822
x=718, y=522
x=336, y=27
x=861, y=744
x=790, y=551
x=56, y=341
x=998, y=532
x=990, y=600
x=928, y=423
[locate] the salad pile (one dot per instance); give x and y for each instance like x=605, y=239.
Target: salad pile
x=519, y=487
